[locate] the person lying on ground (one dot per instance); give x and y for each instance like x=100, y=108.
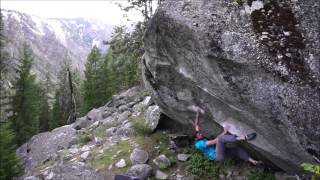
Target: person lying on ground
x=216, y=148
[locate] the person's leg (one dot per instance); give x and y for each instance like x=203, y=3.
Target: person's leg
x=220, y=146
x=242, y=154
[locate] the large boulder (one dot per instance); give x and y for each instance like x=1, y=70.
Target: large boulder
x=132, y=95
x=44, y=146
x=76, y=170
x=142, y=171
x=253, y=64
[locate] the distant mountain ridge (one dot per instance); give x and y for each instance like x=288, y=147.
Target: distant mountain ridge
x=53, y=40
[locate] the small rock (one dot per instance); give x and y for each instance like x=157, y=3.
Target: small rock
x=123, y=108
x=111, y=131
x=85, y=155
x=124, y=116
x=85, y=148
x=287, y=33
x=162, y=161
x=31, y=178
x=98, y=141
x=161, y=175
x=94, y=115
x=152, y=116
x=147, y=101
x=142, y=171
x=121, y=163
x=131, y=104
x=123, y=131
x=74, y=150
x=106, y=114
x=139, y=156
x=229, y=173
x=80, y=123
x=50, y=176
x=183, y=157
x=95, y=125
x=110, y=167
x=108, y=121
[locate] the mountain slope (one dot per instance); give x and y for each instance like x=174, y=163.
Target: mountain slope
x=53, y=40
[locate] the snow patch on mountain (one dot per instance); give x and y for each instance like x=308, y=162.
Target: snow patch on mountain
x=56, y=26
x=38, y=28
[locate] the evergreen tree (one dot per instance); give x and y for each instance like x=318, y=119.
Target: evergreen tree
x=92, y=93
x=107, y=77
x=45, y=110
x=124, y=54
x=25, y=104
x=76, y=79
x=145, y=7
x=66, y=99
x=4, y=83
x=9, y=163
x=56, y=112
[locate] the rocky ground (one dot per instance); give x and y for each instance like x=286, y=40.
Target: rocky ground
x=122, y=137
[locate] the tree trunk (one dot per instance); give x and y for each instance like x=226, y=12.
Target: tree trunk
x=73, y=116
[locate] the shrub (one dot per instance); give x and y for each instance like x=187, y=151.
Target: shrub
x=312, y=168
x=202, y=167
x=140, y=126
x=84, y=139
x=261, y=176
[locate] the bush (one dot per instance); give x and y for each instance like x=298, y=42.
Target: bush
x=140, y=126
x=312, y=168
x=84, y=139
x=261, y=176
x=202, y=167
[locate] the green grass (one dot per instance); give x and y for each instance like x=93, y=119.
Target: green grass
x=261, y=176
x=84, y=138
x=145, y=93
x=111, y=155
x=149, y=143
x=100, y=132
x=140, y=126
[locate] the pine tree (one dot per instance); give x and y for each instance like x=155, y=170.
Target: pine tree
x=9, y=163
x=124, y=53
x=92, y=93
x=56, y=112
x=76, y=80
x=4, y=80
x=66, y=98
x=25, y=104
x=45, y=110
x=107, y=77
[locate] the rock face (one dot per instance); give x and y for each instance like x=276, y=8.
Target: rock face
x=254, y=65
x=33, y=154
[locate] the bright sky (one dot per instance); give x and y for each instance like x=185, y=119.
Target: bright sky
x=105, y=10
